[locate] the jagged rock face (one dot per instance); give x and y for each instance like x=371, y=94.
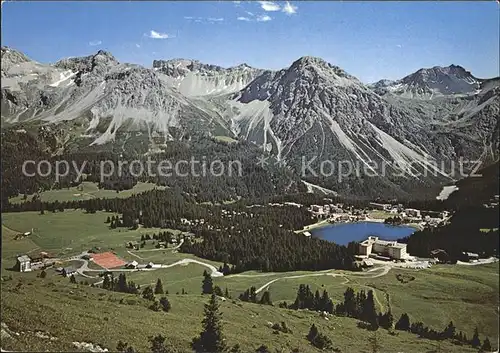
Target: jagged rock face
x=10, y=58
x=193, y=78
x=433, y=82
x=100, y=62
x=97, y=87
x=314, y=109
x=311, y=110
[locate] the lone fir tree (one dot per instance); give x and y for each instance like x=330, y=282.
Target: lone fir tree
x=207, y=286
x=211, y=339
x=159, y=287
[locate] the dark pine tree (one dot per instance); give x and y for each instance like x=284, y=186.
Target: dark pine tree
x=218, y=291
x=449, y=331
x=211, y=338
x=207, y=286
x=165, y=304
x=475, y=342
x=148, y=294
x=123, y=347
x=266, y=298
x=158, y=345
x=486, y=347
x=262, y=349
x=155, y=306
x=158, y=287
x=349, y=302
x=403, y=323
x=313, y=332
x=368, y=311
x=122, y=285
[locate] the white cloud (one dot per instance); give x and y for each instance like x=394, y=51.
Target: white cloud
x=138, y=45
x=289, y=9
x=269, y=6
x=241, y=18
x=204, y=20
x=158, y=35
x=399, y=45
x=95, y=42
x=264, y=18
x=236, y=2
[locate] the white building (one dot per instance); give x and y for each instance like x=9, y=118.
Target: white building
x=23, y=263
x=390, y=249
x=381, y=206
x=411, y=212
x=132, y=264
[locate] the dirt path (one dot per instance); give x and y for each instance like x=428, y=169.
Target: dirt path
x=367, y=274
x=131, y=253
x=479, y=262
x=84, y=268
x=214, y=271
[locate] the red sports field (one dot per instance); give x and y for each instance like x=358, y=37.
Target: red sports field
x=108, y=260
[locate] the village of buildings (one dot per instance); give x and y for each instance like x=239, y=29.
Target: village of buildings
x=372, y=251
x=338, y=213
x=105, y=259
x=375, y=250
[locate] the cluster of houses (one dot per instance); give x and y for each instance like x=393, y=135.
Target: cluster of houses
x=340, y=213
x=134, y=265
x=231, y=214
x=442, y=256
x=412, y=214
x=23, y=235
x=194, y=222
x=321, y=211
x=25, y=263
x=388, y=250
x=66, y=271
x=337, y=213
x=493, y=203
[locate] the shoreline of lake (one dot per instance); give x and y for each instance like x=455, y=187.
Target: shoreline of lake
x=326, y=223
x=343, y=233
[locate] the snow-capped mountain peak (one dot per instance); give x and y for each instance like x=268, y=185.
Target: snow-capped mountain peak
x=428, y=83
x=194, y=78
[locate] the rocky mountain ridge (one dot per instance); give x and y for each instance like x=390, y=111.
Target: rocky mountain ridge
x=432, y=82
x=312, y=110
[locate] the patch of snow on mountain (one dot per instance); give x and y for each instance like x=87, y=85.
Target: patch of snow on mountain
x=66, y=75
x=446, y=192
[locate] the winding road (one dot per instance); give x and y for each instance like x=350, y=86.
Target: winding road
x=385, y=270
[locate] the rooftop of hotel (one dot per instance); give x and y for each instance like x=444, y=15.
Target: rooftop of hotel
x=389, y=243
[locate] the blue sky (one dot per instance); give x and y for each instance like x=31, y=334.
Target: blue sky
x=370, y=40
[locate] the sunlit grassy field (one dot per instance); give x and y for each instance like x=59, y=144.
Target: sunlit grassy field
x=80, y=313
x=467, y=295
x=85, y=191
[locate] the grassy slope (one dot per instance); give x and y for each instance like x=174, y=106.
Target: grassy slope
x=71, y=231
x=468, y=295
x=88, y=191
x=79, y=313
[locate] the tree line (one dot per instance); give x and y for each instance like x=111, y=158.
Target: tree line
x=250, y=238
